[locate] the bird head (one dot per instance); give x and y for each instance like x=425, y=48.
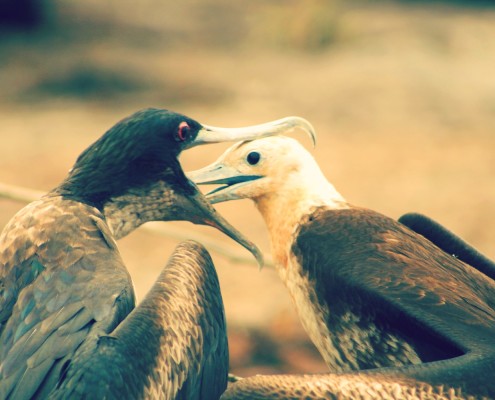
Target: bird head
x=132, y=173
x=261, y=168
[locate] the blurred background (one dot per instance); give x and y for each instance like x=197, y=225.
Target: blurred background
x=402, y=95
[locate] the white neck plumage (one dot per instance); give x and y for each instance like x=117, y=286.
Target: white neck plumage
x=296, y=195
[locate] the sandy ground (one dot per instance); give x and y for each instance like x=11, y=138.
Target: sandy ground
x=402, y=98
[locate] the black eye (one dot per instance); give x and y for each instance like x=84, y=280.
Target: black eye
x=183, y=131
x=253, y=158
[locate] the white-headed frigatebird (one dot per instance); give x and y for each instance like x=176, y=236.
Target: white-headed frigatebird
x=393, y=315
x=66, y=327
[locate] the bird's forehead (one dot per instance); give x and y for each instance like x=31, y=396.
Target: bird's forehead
x=274, y=147
x=156, y=121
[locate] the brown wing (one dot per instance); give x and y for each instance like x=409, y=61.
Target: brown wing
x=177, y=336
x=62, y=280
x=466, y=379
x=377, y=266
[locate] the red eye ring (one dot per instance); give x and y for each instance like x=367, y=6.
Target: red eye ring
x=183, y=131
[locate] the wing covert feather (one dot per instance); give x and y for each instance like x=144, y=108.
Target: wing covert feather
x=61, y=283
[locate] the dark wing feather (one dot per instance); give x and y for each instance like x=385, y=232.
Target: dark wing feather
x=433, y=381
x=173, y=345
x=62, y=283
x=448, y=242
x=367, y=259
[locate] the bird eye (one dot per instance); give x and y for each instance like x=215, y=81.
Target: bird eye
x=253, y=158
x=183, y=131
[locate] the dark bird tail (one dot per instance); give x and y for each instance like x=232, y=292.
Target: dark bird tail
x=448, y=242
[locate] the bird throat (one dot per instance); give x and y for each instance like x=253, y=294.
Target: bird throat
x=283, y=212
x=126, y=212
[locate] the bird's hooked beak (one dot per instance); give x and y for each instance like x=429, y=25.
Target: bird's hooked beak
x=200, y=210
x=219, y=173
x=210, y=134
x=196, y=209
x=222, y=174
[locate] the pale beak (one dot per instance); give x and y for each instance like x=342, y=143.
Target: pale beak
x=210, y=134
x=218, y=173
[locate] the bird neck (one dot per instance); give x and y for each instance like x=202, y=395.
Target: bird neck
x=126, y=212
x=283, y=209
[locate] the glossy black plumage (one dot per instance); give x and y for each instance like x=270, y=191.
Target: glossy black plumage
x=133, y=153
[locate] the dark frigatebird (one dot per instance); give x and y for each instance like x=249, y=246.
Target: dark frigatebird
x=65, y=294
x=370, y=292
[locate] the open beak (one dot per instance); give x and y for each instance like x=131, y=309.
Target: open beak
x=210, y=134
x=196, y=209
x=220, y=174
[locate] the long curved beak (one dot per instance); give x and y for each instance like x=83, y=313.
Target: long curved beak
x=221, y=174
x=211, y=134
x=196, y=209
